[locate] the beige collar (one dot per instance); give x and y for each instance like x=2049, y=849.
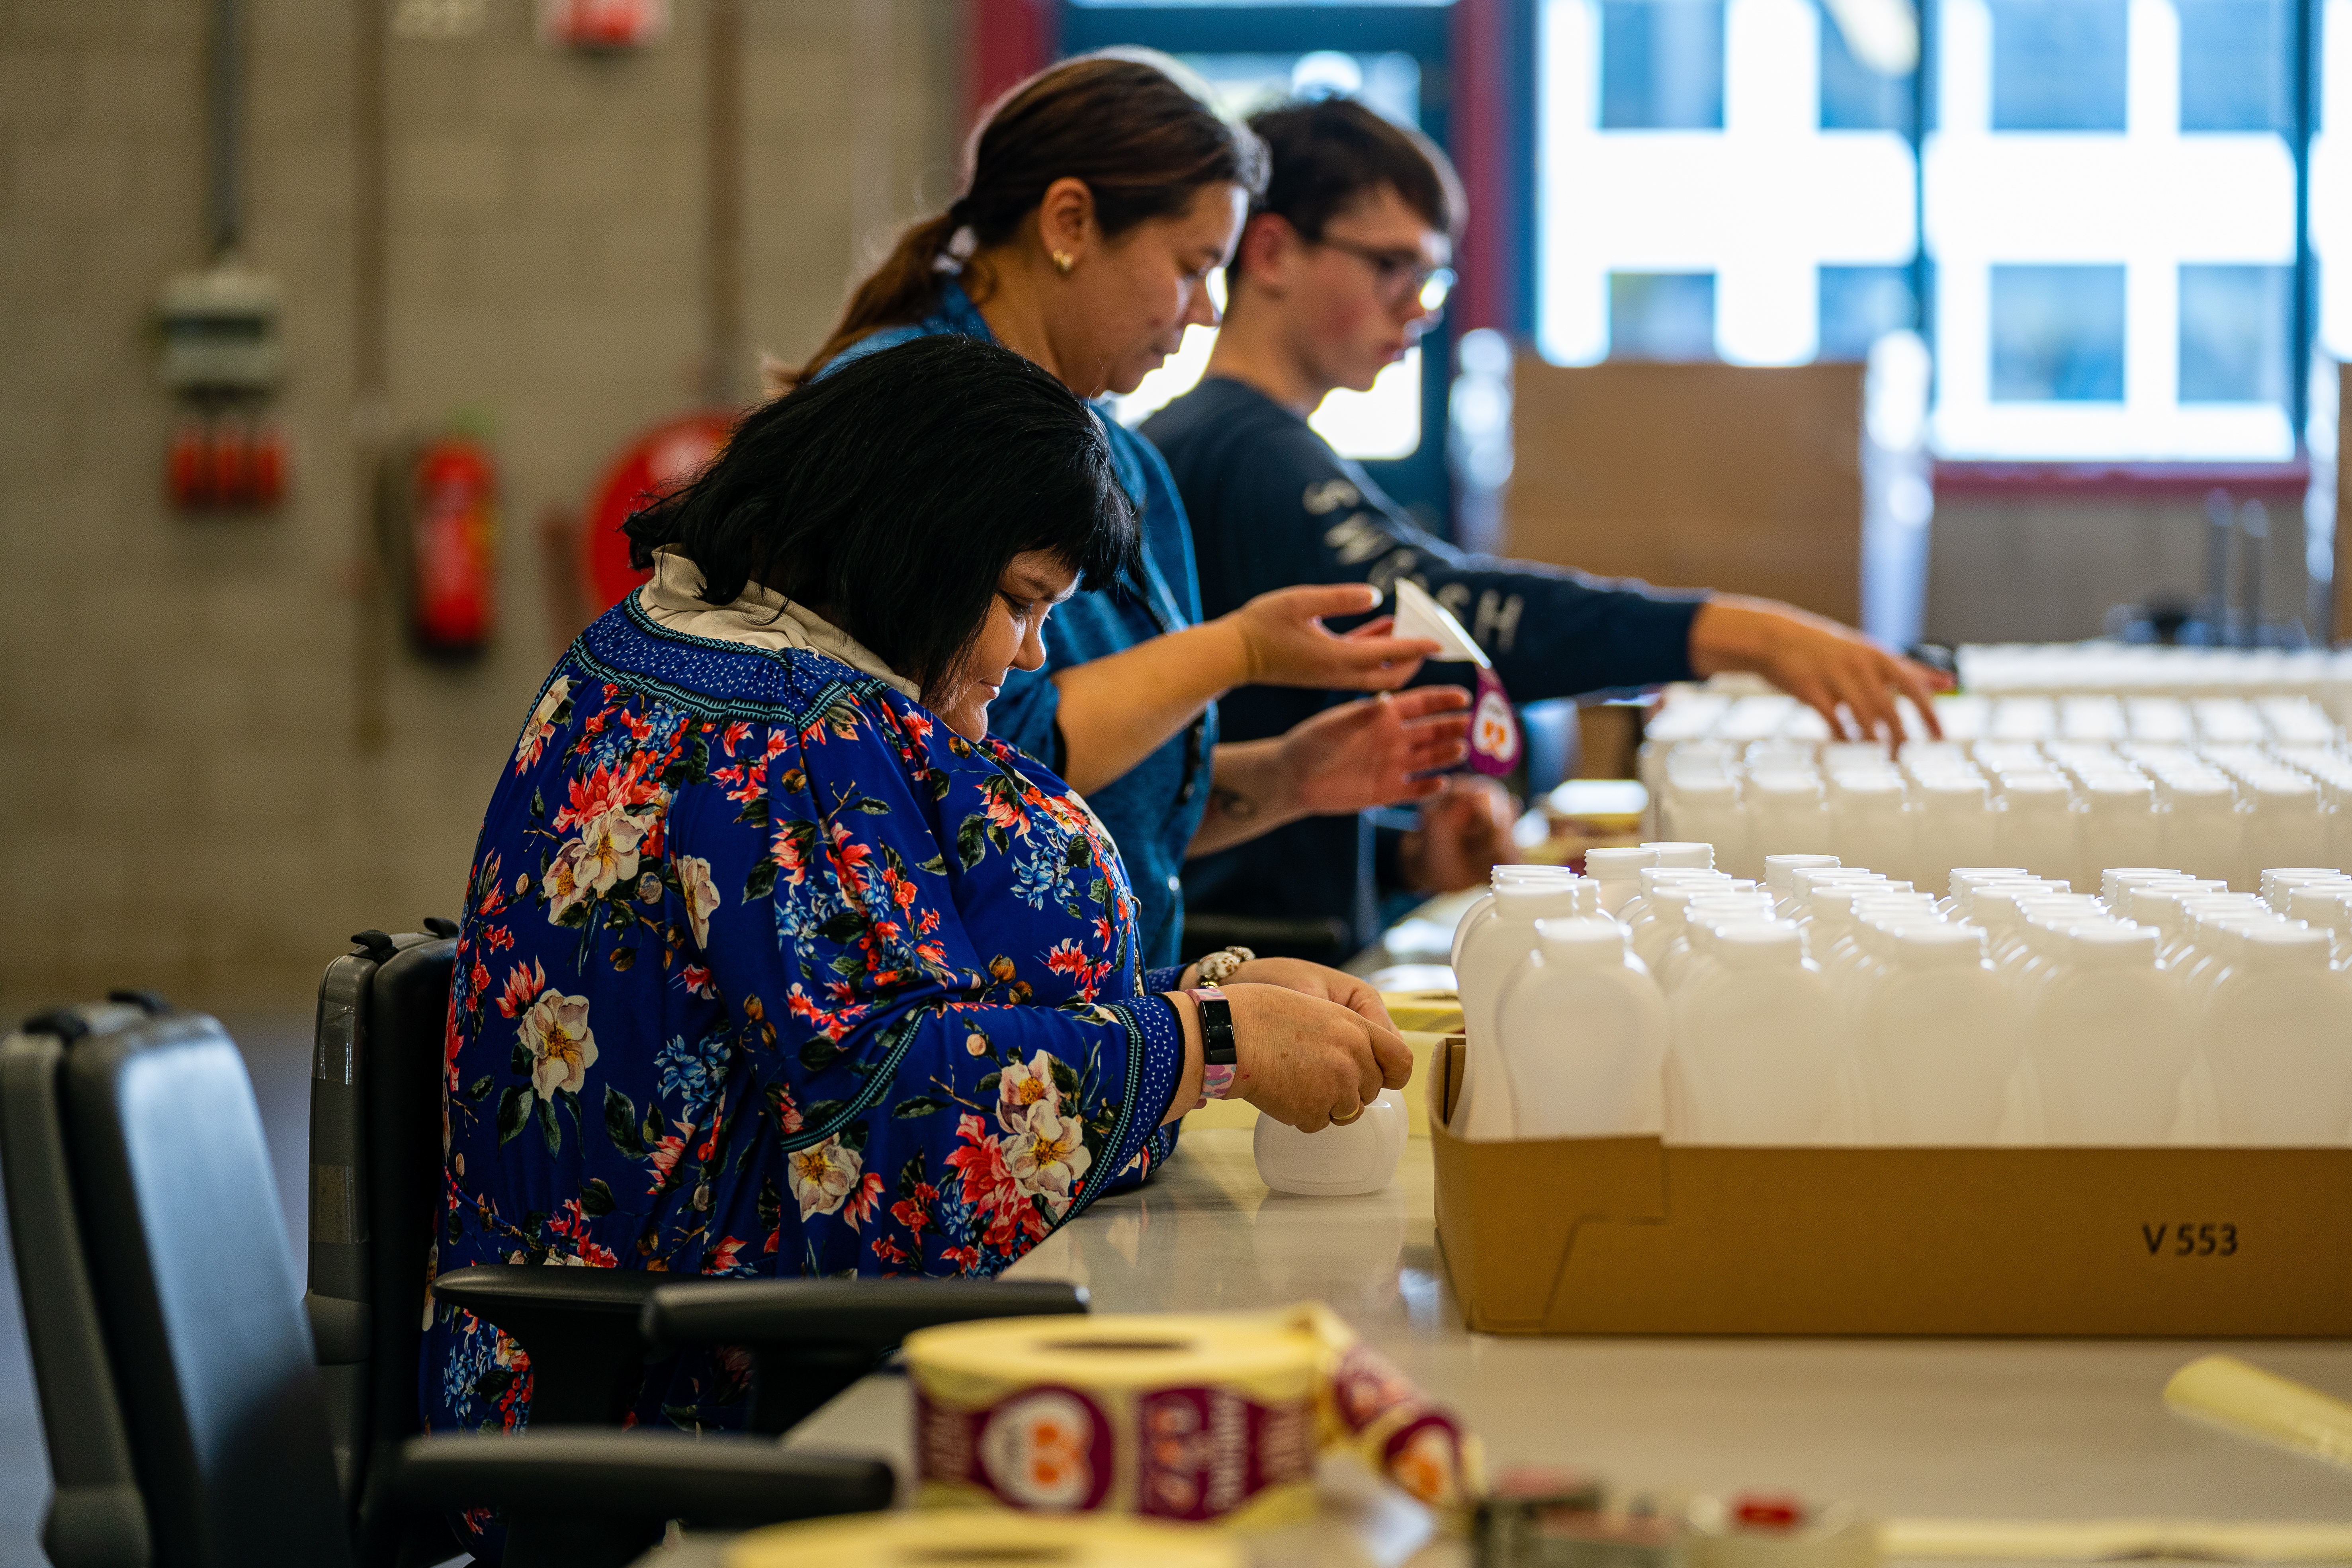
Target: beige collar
x=758, y=618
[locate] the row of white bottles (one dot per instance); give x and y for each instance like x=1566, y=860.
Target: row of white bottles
x=1835, y=1004
x=2064, y=810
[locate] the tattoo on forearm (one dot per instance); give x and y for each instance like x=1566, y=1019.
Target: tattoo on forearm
x=1233, y=804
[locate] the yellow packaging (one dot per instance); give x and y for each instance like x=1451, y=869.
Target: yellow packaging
x=1189, y=1418
x=946, y=1536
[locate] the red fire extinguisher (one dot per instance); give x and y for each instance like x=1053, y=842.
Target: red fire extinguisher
x=450, y=533
x=654, y=464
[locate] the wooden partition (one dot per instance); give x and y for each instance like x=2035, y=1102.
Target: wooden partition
x=1714, y=475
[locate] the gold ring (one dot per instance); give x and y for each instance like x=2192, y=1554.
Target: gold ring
x=1349, y=1121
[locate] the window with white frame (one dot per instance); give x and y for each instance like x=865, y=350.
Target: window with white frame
x=2108, y=193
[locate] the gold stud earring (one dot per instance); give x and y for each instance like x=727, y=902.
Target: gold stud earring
x=1063, y=261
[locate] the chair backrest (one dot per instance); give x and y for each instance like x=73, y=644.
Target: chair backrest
x=96, y=1518
x=375, y=1157
x=196, y=1289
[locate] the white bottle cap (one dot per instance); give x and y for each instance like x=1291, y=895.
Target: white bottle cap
x=1944, y=946
x=1966, y=876
x=2117, y=877
x=2111, y=945
x=1778, y=869
x=1541, y=901
x=1499, y=875
x=1764, y=945
x=1587, y=944
x=1689, y=856
x=1617, y=865
x=1656, y=877
x=2323, y=904
x=2284, y=946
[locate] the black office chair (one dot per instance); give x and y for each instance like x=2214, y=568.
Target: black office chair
x=376, y=1153
x=180, y=1401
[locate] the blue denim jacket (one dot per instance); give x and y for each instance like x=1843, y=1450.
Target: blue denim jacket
x=1154, y=809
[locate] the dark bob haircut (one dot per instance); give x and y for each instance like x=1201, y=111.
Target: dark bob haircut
x=1331, y=153
x=890, y=496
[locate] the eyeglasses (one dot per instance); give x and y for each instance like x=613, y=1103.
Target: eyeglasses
x=1397, y=274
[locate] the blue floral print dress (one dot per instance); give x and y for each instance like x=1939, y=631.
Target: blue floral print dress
x=764, y=971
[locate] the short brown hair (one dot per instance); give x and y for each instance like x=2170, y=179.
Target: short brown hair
x=1330, y=152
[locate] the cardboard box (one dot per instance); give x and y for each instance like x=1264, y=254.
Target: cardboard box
x=1733, y=476
x=1628, y=1236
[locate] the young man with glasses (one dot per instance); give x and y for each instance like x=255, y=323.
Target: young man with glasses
x=1341, y=267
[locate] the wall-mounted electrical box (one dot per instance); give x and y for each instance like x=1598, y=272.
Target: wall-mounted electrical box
x=220, y=331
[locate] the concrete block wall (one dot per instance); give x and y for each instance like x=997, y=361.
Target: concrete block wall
x=183, y=803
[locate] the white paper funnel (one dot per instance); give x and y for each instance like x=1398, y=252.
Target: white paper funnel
x=1419, y=616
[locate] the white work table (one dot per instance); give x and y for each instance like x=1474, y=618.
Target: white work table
x=1982, y=1428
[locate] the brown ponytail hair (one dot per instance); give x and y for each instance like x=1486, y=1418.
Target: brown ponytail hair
x=1121, y=120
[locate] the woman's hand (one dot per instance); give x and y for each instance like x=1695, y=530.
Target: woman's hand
x=1377, y=749
x=1821, y=664
x=1320, y=982
x=1307, y=1062
x=1283, y=641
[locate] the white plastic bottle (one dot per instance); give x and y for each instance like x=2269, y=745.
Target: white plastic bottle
x=2201, y=830
x=1482, y=909
x=1701, y=916
x=2277, y=1036
x=1786, y=814
x=1871, y=825
x=2107, y=1041
x=1585, y=1033
x=2036, y=826
x=1616, y=873
x=2284, y=826
x=1704, y=808
x=1490, y=952
x=1338, y=1162
x=2119, y=825
x=1655, y=918
x=1956, y=826
x=1938, y=1039
x=1753, y=1045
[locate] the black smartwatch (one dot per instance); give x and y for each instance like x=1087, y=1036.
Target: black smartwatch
x=1217, y=1027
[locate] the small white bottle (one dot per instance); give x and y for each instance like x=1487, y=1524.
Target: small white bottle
x=2202, y=831
x=1482, y=909
x=2036, y=826
x=2284, y=826
x=1956, y=825
x=1938, y=1039
x=1655, y=918
x=1586, y=1037
x=1753, y=1045
x=1786, y=814
x=1616, y=873
x=1871, y=825
x=1704, y=808
x=1340, y=1160
x=1490, y=952
x=2107, y=1043
x=2276, y=1036
x=2119, y=825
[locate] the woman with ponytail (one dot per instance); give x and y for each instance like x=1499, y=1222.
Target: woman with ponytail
x=1099, y=196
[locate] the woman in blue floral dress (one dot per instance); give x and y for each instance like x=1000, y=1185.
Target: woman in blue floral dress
x=773, y=960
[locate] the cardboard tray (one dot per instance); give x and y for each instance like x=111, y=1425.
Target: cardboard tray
x=1628, y=1236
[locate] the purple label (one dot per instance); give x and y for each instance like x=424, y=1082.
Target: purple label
x=1205, y=1452
x=1048, y=1449
x=1494, y=727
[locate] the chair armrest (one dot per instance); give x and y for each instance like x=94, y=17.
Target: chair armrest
x=599, y=1499
x=579, y=1326
x=810, y=1339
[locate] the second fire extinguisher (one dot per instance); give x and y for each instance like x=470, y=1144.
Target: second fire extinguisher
x=442, y=517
